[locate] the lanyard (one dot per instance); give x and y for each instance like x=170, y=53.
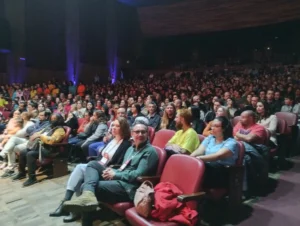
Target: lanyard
x=132, y=156
x=111, y=148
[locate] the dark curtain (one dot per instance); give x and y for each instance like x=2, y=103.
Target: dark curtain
x=45, y=34
x=92, y=32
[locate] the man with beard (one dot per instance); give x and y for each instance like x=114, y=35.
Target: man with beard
x=185, y=140
x=50, y=135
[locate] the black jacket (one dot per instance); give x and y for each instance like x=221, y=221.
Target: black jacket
x=119, y=154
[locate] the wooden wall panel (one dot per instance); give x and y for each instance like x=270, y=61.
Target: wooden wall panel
x=197, y=16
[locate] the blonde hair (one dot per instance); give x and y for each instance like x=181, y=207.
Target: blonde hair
x=186, y=114
x=165, y=118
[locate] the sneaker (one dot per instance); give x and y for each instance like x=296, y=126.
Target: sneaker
x=87, y=202
x=8, y=173
x=19, y=176
x=3, y=165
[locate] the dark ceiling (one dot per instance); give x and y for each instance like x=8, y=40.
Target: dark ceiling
x=143, y=3
x=199, y=16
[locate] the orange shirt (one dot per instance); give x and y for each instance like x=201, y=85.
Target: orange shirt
x=81, y=90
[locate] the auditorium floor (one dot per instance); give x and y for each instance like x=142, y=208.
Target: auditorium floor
x=31, y=206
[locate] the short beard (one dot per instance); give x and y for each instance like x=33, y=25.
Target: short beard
x=179, y=126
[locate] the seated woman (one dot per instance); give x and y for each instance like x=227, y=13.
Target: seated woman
x=50, y=135
x=231, y=108
x=84, y=124
x=222, y=111
x=217, y=150
x=72, y=122
x=112, y=154
x=80, y=110
x=267, y=120
x=168, y=118
x=89, y=129
x=197, y=124
x=10, y=131
x=136, y=112
x=11, y=126
x=60, y=109
x=9, y=169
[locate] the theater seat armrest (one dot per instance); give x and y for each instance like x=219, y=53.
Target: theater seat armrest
x=153, y=179
x=191, y=197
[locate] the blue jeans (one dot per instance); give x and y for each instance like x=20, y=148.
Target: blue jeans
x=94, y=148
x=74, y=140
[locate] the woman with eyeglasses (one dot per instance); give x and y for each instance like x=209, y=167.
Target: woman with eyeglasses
x=217, y=150
x=110, y=154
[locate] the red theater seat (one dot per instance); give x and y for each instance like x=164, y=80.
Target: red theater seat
x=162, y=137
x=151, y=134
x=176, y=170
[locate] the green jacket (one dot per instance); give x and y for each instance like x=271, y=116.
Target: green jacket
x=144, y=162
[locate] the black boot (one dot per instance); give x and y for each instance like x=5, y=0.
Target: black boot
x=72, y=217
x=59, y=211
x=31, y=180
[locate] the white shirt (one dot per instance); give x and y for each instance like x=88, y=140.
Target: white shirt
x=111, y=148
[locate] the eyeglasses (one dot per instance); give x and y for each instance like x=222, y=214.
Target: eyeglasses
x=140, y=131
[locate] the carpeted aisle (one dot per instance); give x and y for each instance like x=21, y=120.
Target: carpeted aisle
x=282, y=207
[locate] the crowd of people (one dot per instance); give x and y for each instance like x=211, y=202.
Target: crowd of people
x=109, y=126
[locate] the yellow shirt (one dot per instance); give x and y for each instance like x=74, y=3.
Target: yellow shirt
x=187, y=140
x=32, y=93
x=3, y=102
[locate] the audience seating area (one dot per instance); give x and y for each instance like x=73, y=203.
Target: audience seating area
x=164, y=122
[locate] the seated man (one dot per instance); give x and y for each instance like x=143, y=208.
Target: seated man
x=185, y=140
x=154, y=118
x=117, y=185
x=248, y=130
x=51, y=135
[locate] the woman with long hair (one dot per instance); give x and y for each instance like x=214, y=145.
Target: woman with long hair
x=136, y=112
x=168, y=119
x=112, y=153
x=231, y=108
x=267, y=120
